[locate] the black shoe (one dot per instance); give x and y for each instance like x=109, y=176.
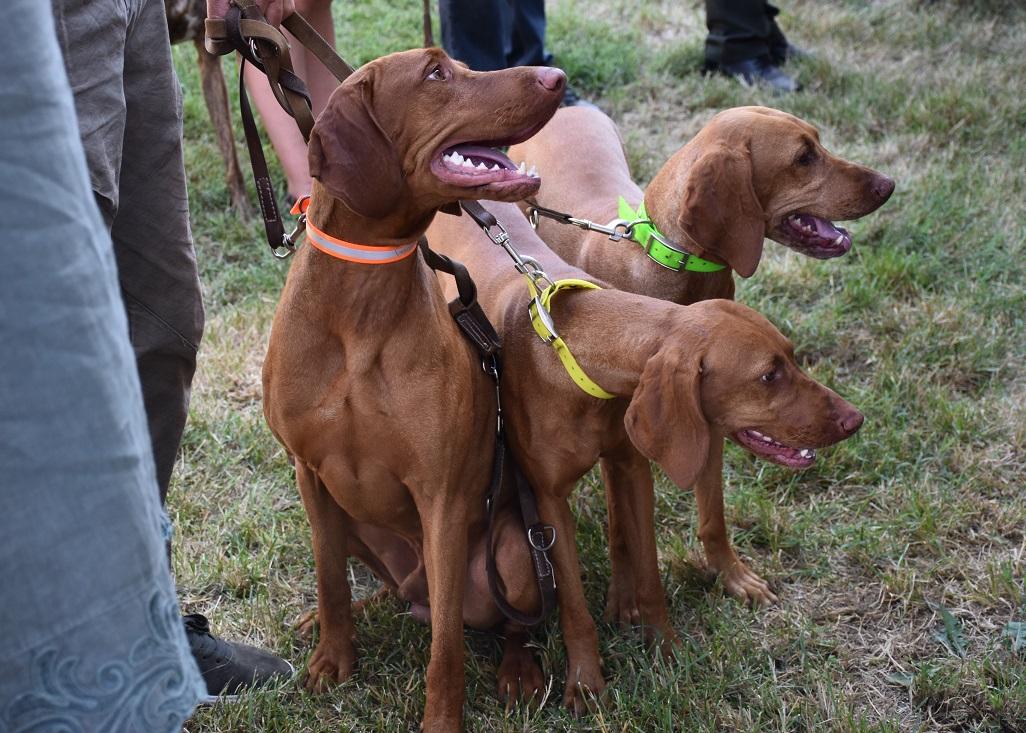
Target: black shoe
x=228, y=667
x=760, y=71
x=780, y=55
x=570, y=99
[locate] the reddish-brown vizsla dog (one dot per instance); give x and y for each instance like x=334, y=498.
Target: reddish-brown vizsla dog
x=684, y=377
x=750, y=173
x=368, y=383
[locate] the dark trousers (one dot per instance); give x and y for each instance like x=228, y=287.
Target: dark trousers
x=488, y=35
x=740, y=30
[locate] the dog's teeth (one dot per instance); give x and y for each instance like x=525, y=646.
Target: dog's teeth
x=755, y=433
x=457, y=158
x=767, y=439
x=840, y=240
x=466, y=163
x=522, y=168
x=482, y=167
x=496, y=167
x=804, y=452
x=533, y=173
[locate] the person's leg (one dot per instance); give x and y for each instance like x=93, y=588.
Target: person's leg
x=528, y=37
x=739, y=30
x=152, y=238
x=160, y=287
x=319, y=80
x=739, y=44
x=90, y=637
x=477, y=32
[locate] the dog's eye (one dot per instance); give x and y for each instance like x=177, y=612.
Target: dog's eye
x=806, y=158
x=769, y=377
x=437, y=74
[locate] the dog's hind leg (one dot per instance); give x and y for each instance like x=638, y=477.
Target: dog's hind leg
x=215, y=94
x=520, y=677
x=334, y=658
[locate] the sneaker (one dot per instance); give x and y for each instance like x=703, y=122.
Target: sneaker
x=229, y=667
x=760, y=70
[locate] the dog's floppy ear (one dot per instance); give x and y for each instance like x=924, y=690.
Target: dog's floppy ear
x=352, y=156
x=664, y=419
x=720, y=211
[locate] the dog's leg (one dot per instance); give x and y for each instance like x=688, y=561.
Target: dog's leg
x=630, y=501
x=215, y=94
x=738, y=579
x=520, y=677
x=584, y=666
x=445, y=559
x=333, y=659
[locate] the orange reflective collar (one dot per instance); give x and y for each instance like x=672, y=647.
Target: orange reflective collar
x=364, y=254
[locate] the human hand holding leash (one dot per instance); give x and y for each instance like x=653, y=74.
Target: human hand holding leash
x=274, y=10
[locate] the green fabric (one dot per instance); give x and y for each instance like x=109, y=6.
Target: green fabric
x=665, y=256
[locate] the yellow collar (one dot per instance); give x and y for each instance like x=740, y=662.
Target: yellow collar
x=541, y=319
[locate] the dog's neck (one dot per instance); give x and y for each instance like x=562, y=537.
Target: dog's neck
x=613, y=334
x=331, y=215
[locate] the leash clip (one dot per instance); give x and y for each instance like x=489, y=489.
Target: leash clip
x=545, y=317
x=288, y=245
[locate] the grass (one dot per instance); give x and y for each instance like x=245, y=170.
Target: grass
x=899, y=559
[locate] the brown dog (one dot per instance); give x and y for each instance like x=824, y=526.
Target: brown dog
x=750, y=173
x=684, y=377
x=367, y=382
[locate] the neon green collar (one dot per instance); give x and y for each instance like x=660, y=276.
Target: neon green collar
x=656, y=245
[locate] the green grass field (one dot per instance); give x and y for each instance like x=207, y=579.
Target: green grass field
x=899, y=558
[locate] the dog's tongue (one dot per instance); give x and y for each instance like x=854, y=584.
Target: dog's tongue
x=479, y=153
x=824, y=228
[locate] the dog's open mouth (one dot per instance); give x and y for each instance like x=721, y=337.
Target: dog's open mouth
x=813, y=236
x=764, y=446
x=478, y=164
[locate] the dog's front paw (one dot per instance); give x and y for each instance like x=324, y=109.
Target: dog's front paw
x=330, y=665
x=584, y=685
x=520, y=678
x=742, y=582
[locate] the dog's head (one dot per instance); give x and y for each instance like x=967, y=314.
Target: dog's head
x=755, y=172
x=418, y=130
x=737, y=378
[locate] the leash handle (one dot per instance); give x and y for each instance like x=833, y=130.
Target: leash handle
x=245, y=30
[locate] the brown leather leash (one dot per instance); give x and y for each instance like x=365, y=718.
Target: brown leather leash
x=478, y=330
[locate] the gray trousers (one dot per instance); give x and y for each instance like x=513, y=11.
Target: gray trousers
x=90, y=633
x=118, y=60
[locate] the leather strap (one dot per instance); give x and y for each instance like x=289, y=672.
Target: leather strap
x=478, y=330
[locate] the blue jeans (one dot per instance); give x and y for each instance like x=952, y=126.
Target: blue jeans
x=90, y=633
